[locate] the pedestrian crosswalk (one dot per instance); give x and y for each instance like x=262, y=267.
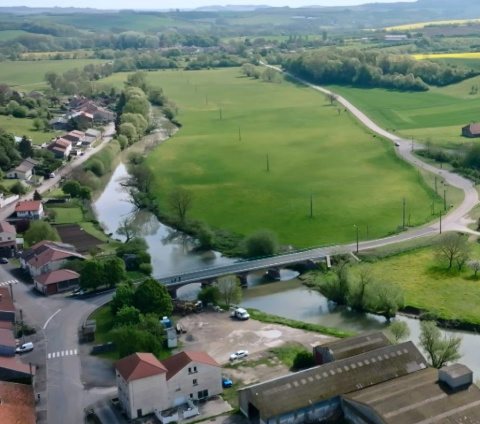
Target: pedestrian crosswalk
x=61, y=353
x=6, y=283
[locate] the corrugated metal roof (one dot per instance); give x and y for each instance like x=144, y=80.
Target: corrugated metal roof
x=295, y=391
x=419, y=398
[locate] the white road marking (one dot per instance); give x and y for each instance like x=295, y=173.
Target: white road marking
x=62, y=353
x=48, y=320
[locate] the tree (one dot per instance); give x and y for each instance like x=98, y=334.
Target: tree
x=400, y=330
x=247, y=69
x=230, y=289
x=303, y=360
x=18, y=188
x=72, y=188
x=37, y=195
x=475, y=266
x=85, y=193
x=130, y=340
x=270, y=75
x=25, y=147
x=152, y=297
x=39, y=231
x=331, y=97
x=261, y=243
x=138, y=79
x=127, y=315
x=92, y=275
x=180, y=202
x=127, y=229
x=440, y=349
x=128, y=130
x=385, y=298
x=453, y=247
x=38, y=124
x=209, y=294
x=114, y=269
x=123, y=297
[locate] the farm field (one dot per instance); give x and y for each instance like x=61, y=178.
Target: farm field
x=421, y=25
x=466, y=55
x=425, y=115
x=29, y=75
x=312, y=149
x=23, y=126
x=431, y=287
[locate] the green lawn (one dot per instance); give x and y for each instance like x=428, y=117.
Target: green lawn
x=438, y=114
x=23, y=126
x=30, y=74
x=354, y=177
x=449, y=294
x=67, y=215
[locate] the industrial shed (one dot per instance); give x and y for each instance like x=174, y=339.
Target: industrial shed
x=314, y=394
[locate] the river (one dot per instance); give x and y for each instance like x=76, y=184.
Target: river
x=172, y=253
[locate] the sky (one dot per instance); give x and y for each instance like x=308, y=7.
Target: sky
x=181, y=4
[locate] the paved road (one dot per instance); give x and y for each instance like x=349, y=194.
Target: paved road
x=47, y=184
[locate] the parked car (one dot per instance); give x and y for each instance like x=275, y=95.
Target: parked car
x=239, y=354
x=3, y=261
x=397, y=143
x=78, y=292
x=226, y=382
x=26, y=347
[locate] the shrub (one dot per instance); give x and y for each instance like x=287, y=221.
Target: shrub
x=303, y=360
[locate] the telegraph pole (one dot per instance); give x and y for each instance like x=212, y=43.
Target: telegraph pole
x=440, y=222
x=445, y=200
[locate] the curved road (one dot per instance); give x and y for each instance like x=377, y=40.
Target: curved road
x=455, y=220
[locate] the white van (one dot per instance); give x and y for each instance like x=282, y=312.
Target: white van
x=26, y=347
x=240, y=313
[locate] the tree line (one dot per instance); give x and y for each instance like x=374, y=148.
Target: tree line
x=373, y=69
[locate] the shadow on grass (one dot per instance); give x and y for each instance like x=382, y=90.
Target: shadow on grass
x=438, y=271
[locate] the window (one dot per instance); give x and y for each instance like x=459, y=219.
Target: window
x=191, y=395
x=195, y=382
x=202, y=394
x=192, y=370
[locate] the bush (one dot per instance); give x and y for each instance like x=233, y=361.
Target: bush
x=303, y=360
x=145, y=268
x=96, y=167
x=261, y=243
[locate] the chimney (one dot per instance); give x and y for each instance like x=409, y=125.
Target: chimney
x=456, y=376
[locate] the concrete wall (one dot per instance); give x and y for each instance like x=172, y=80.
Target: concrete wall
x=182, y=385
x=145, y=394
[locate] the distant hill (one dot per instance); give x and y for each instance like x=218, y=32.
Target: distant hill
x=231, y=8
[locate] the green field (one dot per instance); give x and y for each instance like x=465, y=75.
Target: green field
x=11, y=34
x=438, y=114
x=23, y=126
x=354, y=177
x=30, y=74
x=427, y=286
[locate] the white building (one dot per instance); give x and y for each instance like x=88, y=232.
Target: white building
x=145, y=384
x=29, y=209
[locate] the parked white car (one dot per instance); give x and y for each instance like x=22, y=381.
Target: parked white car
x=239, y=354
x=26, y=347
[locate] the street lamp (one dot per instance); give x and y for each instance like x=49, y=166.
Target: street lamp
x=356, y=226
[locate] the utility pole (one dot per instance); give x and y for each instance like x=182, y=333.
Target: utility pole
x=21, y=323
x=311, y=206
x=268, y=164
x=445, y=200
x=440, y=222
x=356, y=226
x=11, y=291
x=436, y=191
x=404, y=213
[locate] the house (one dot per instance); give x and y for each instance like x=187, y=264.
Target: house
x=45, y=258
x=25, y=170
x=29, y=209
x=398, y=37
x=74, y=136
x=146, y=384
x=344, y=348
x=7, y=342
x=56, y=281
x=471, y=131
x=100, y=114
x=59, y=124
x=36, y=95
x=60, y=147
x=8, y=240
x=17, y=403
x=13, y=370
x=7, y=309
x=91, y=136
x=315, y=393
x=427, y=396
x=83, y=118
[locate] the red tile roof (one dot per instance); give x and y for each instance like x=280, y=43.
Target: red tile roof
x=17, y=404
x=178, y=362
x=10, y=363
x=6, y=304
x=28, y=205
x=5, y=227
x=6, y=338
x=56, y=277
x=51, y=254
x=139, y=365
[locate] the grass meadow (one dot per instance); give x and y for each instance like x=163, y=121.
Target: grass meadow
x=29, y=75
x=313, y=150
x=429, y=286
x=23, y=126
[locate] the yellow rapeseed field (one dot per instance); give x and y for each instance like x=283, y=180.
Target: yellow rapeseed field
x=470, y=55
x=420, y=25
